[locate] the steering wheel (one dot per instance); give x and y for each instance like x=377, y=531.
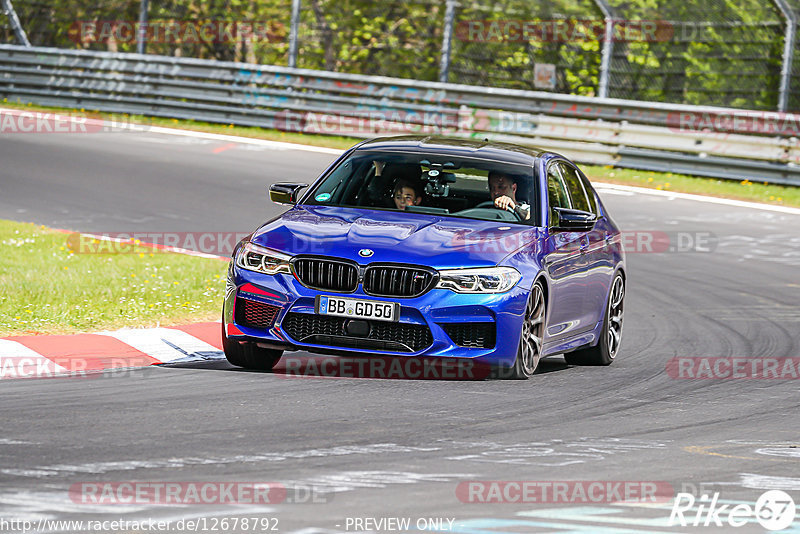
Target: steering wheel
x=490, y=204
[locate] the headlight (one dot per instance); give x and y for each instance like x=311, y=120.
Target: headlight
x=483, y=280
x=262, y=260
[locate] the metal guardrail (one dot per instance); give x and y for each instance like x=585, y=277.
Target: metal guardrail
x=718, y=142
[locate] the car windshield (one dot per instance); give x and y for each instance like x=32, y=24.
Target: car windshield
x=438, y=184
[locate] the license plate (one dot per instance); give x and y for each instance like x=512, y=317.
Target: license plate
x=356, y=308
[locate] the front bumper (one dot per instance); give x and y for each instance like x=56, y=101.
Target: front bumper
x=280, y=314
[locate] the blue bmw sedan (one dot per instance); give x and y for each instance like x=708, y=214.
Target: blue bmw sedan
x=432, y=247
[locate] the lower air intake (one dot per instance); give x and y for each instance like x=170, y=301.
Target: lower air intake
x=471, y=335
x=255, y=314
x=382, y=335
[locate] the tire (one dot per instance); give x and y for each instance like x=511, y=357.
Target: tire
x=249, y=355
x=608, y=347
x=529, y=351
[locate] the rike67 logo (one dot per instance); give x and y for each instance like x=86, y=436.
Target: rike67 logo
x=774, y=510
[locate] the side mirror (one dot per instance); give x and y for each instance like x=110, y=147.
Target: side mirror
x=285, y=192
x=574, y=220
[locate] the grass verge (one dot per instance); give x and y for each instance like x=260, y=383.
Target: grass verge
x=744, y=190
x=45, y=288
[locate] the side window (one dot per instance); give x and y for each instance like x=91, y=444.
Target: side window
x=589, y=192
x=556, y=192
x=576, y=192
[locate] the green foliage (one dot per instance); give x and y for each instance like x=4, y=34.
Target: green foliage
x=401, y=39
x=505, y=58
x=722, y=53
x=708, y=52
x=63, y=24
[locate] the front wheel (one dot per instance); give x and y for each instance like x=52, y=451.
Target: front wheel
x=249, y=355
x=607, y=348
x=529, y=351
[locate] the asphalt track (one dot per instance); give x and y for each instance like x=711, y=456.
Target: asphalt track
x=376, y=448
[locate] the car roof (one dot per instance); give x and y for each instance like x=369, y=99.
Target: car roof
x=455, y=146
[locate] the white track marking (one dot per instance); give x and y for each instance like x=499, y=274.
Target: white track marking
x=354, y=480
x=699, y=198
x=166, y=344
x=599, y=188
x=553, y=453
x=177, y=463
x=606, y=514
x=784, y=452
x=275, y=145
x=44, y=502
x=18, y=361
x=144, y=128
x=765, y=482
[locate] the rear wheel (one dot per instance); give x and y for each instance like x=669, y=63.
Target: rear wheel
x=529, y=351
x=607, y=348
x=249, y=355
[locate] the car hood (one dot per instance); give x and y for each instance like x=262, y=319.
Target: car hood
x=393, y=236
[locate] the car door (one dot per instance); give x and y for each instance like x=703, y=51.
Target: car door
x=564, y=263
x=598, y=268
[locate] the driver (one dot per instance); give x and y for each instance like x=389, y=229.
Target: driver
x=503, y=190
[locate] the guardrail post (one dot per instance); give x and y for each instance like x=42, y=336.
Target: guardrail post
x=608, y=48
x=19, y=31
x=788, y=52
x=447, y=39
x=142, y=34
x=293, y=33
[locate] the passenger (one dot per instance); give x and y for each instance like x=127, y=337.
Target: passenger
x=503, y=190
x=406, y=194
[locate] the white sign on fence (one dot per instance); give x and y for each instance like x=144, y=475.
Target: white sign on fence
x=544, y=76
